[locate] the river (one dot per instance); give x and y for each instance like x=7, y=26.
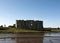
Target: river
x=48, y=38
x=51, y=38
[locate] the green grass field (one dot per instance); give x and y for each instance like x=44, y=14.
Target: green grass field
x=15, y=30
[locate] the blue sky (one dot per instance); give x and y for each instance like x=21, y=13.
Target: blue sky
x=46, y=10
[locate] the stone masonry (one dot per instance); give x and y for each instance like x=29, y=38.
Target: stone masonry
x=29, y=24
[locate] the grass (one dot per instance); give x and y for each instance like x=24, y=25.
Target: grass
x=22, y=30
x=16, y=30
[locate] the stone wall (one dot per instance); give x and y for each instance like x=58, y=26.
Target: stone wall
x=29, y=24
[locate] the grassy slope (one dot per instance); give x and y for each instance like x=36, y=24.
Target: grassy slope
x=22, y=30
x=15, y=30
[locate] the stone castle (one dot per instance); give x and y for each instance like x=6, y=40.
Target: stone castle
x=29, y=24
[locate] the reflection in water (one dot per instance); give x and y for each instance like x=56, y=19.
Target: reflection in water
x=52, y=38
x=21, y=38
x=7, y=41
x=52, y=34
x=30, y=40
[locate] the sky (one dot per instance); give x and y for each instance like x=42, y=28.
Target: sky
x=46, y=10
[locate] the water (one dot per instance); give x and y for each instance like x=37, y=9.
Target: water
x=20, y=38
x=51, y=38
x=52, y=34
x=48, y=38
x=7, y=40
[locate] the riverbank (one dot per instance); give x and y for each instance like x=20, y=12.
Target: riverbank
x=15, y=30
